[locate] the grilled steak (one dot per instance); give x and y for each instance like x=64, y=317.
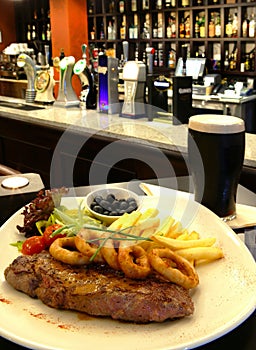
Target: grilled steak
x=97, y=290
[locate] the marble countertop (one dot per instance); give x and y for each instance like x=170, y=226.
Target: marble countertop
x=155, y=133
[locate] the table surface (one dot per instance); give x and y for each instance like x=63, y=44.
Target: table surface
x=241, y=338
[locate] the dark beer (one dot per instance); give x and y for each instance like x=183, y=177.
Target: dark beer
x=216, y=145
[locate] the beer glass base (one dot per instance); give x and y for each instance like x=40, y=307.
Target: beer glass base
x=229, y=217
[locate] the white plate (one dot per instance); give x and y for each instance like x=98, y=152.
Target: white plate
x=224, y=299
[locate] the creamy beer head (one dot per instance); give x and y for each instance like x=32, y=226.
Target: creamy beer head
x=216, y=123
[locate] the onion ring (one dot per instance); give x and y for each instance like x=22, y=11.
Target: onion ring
x=110, y=254
x=134, y=262
x=68, y=256
x=183, y=273
x=88, y=249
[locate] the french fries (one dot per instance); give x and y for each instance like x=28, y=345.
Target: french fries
x=201, y=254
x=176, y=244
x=169, y=234
x=189, y=245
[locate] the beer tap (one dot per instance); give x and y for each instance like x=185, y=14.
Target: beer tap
x=26, y=62
x=66, y=95
x=88, y=95
x=184, y=54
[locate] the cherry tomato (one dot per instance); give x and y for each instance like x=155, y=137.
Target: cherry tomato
x=47, y=234
x=33, y=245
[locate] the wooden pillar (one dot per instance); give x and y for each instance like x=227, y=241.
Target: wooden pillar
x=7, y=23
x=69, y=30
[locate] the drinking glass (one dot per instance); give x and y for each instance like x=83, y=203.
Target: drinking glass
x=216, y=145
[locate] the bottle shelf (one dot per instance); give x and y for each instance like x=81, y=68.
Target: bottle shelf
x=209, y=28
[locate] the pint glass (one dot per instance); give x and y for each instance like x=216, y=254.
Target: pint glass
x=216, y=145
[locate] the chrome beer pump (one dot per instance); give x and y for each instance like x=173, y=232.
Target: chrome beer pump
x=24, y=61
x=134, y=76
x=66, y=94
x=44, y=82
x=88, y=95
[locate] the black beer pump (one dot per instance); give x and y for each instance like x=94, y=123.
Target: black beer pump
x=158, y=85
x=182, y=93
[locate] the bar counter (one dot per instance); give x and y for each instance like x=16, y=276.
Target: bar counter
x=153, y=135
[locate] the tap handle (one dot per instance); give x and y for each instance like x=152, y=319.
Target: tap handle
x=47, y=54
x=84, y=46
x=126, y=50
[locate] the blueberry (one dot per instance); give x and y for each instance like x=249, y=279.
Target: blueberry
x=98, y=199
x=98, y=209
x=130, y=199
x=123, y=205
x=110, y=198
x=115, y=205
x=104, y=204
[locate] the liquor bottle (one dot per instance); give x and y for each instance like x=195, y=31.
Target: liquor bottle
x=235, y=60
x=110, y=31
x=168, y=4
x=146, y=28
x=252, y=60
x=92, y=33
x=184, y=3
x=232, y=63
x=197, y=27
x=123, y=29
x=29, y=33
x=136, y=54
x=211, y=27
x=155, y=30
x=202, y=27
x=102, y=33
x=111, y=6
x=121, y=6
x=145, y=5
x=91, y=7
x=134, y=5
x=245, y=28
x=169, y=29
x=158, y=4
x=172, y=59
x=43, y=34
x=160, y=29
x=252, y=27
x=229, y=26
x=247, y=64
x=135, y=29
x=226, y=60
x=173, y=22
x=48, y=32
x=187, y=27
x=156, y=58
x=160, y=55
x=33, y=33
x=218, y=27
x=182, y=28
x=235, y=26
